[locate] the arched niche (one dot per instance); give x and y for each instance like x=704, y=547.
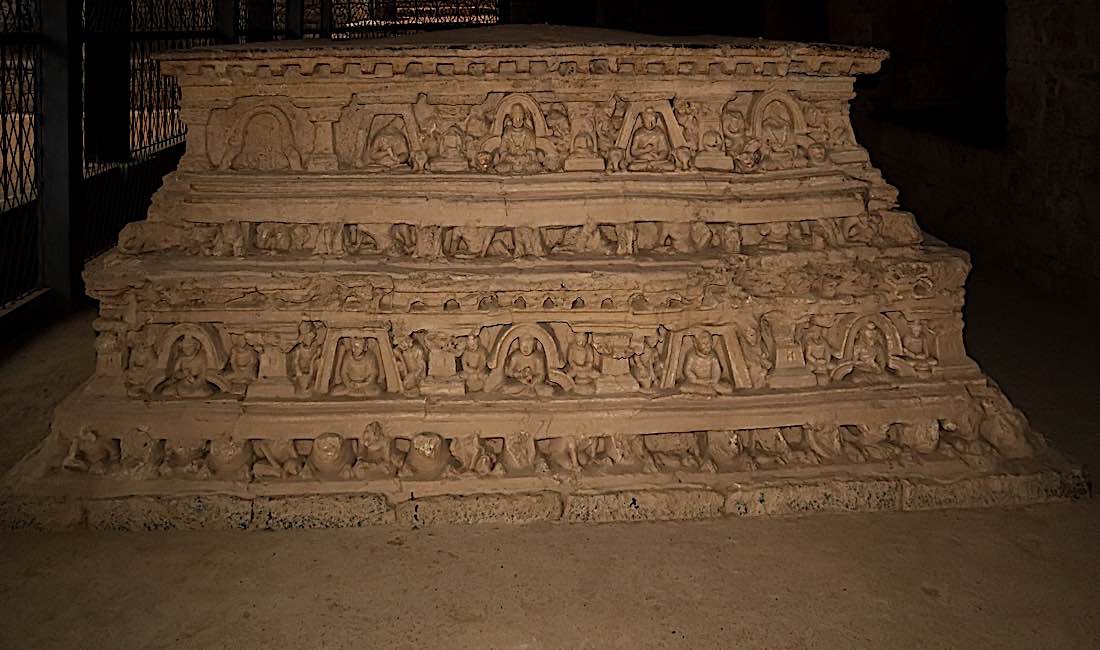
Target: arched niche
x=358, y=124
x=225, y=132
x=889, y=333
x=212, y=349
x=241, y=131
x=633, y=118
x=332, y=349
x=498, y=355
x=538, y=123
x=764, y=101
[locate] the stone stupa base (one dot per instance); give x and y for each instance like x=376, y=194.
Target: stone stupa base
x=525, y=273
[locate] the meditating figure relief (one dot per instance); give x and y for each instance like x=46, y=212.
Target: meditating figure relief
x=703, y=370
x=649, y=147
x=525, y=370
x=358, y=371
x=518, y=153
x=188, y=377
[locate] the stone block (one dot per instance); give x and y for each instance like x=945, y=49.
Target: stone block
x=643, y=505
x=481, y=509
x=320, y=511
x=200, y=512
x=826, y=496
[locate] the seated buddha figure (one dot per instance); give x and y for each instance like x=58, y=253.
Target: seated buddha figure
x=869, y=355
x=703, y=370
x=518, y=153
x=649, y=147
x=357, y=373
x=188, y=378
x=525, y=371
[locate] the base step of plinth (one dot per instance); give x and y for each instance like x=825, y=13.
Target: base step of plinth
x=622, y=498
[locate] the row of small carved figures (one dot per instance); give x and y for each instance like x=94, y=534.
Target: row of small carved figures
x=238, y=239
x=527, y=361
x=988, y=434
x=516, y=135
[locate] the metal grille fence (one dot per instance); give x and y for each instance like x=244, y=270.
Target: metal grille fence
x=133, y=131
x=130, y=132
x=19, y=106
x=374, y=18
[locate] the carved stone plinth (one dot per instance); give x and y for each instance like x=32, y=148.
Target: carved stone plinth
x=468, y=264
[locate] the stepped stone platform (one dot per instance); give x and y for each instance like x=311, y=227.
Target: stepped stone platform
x=519, y=274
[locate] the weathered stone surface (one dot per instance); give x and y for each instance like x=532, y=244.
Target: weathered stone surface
x=551, y=256
x=837, y=495
x=169, y=513
x=998, y=490
x=29, y=513
x=643, y=505
x=480, y=508
x=320, y=511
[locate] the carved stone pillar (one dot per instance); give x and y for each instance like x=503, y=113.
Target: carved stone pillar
x=272, y=379
x=615, y=352
x=323, y=158
x=790, y=369
x=442, y=376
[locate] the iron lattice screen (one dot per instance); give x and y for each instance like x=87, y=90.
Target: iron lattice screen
x=133, y=130
x=20, y=64
x=268, y=19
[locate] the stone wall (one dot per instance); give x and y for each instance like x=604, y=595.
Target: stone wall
x=1026, y=204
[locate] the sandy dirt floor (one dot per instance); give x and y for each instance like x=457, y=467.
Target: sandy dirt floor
x=1007, y=578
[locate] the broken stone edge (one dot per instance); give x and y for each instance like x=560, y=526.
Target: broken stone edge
x=1057, y=482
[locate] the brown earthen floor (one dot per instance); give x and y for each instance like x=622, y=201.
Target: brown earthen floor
x=1009, y=578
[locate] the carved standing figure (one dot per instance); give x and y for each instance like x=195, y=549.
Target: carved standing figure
x=646, y=364
x=244, y=364
x=581, y=364
x=305, y=358
x=755, y=357
x=819, y=354
x=474, y=359
x=412, y=363
x=140, y=362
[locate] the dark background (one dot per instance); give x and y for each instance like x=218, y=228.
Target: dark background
x=986, y=116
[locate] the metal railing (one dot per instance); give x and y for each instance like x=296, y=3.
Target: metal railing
x=90, y=126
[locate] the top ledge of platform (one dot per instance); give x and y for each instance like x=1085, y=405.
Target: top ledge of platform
x=533, y=40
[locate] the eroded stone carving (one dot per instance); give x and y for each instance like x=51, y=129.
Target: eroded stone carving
x=529, y=268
